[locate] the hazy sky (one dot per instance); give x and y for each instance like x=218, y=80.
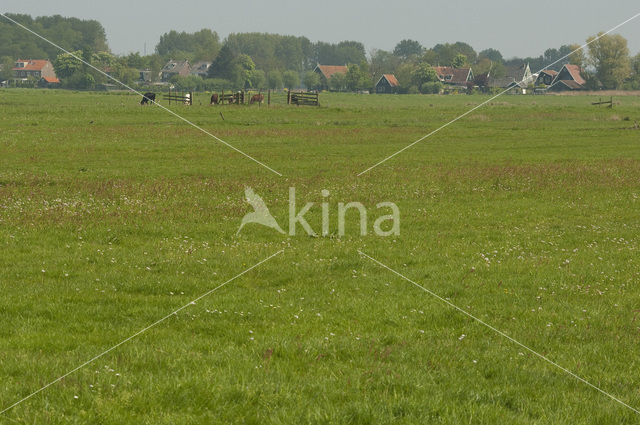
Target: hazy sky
x=516, y=28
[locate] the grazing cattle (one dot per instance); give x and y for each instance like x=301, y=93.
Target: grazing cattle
x=259, y=98
x=214, y=99
x=148, y=98
x=187, y=99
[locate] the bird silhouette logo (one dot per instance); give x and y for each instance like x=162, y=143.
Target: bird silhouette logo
x=260, y=215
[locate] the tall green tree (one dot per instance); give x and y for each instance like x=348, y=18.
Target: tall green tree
x=358, y=78
x=404, y=74
x=634, y=82
x=6, y=65
x=311, y=80
x=244, y=73
x=70, y=33
x=460, y=61
x=66, y=65
x=291, y=79
x=444, y=54
x=425, y=78
x=338, y=82
x=609, y=55
x=492, y=54
x=223, y=65
x=407, y=48
x=274, y=80
x=273, y=51
x=258, y=79
x=341, y=53
x=200, y=45
x=577, y=56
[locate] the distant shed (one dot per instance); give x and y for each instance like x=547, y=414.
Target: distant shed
x=569, y=79
x=388, y=84
x=546, y=77
x=327, y=71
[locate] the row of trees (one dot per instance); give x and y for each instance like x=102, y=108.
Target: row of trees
x=71, y=33
x=274, y=61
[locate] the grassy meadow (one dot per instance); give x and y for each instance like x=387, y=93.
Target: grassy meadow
x=526, y=214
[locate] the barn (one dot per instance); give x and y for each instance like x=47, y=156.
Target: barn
x=569, y=79
x=49, y=82
x=388, y=84
x=517, y=78
x=546, y=77
x=326, y=71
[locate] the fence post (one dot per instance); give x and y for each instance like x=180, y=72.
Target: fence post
x=269, y=98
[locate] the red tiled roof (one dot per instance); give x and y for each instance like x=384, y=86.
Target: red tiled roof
x=51, y=80
x=549, y=72
x=393, y=81
x=574, y=70
x=32, y=65
x=329, y=70
x=451, y=75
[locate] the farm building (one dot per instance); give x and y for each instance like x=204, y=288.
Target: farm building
x=568, y=79
x=546, y=77
x=458, y=77
x=201, y=69
x=144, y=75
x=326, y=71
x=49, y=82
x=173, y=68
x=388, y=83
x=37, y=69
x=517, y=78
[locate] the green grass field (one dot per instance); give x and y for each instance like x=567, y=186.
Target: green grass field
x=524, y=214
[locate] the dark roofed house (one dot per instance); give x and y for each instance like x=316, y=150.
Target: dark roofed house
x=173, y=68
x=569, y=78
x=326, y=71
x=201, y=69
x=388, y=83
x=546, y=77
x=517, y=77
x=458, y=77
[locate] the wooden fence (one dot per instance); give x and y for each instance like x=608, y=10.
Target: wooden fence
x=179, y=97
x=606, y=102
x=271, y=97
x=231, y=98
x=303, y=98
